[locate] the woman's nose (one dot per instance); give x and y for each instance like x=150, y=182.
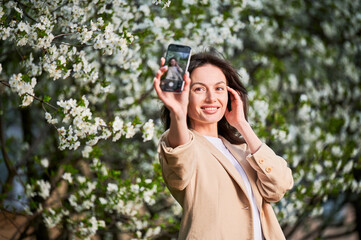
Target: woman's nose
x=211, y=97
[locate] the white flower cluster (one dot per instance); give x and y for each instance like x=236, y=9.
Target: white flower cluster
x=54, y=62
x=110, y=41
x=259, y=111
x=52, y=218
x=1, y=11
x=24, y=88
x=100, y=167
x=165, y=4
x=115, y=201
x=150, y=233
x=89, y=228
x=82, y=127
x=50, y=119
x=118, y=126
x=38, y=35
x=148, y=130
x=33, y=69
x=81, y=203
x=81, y=117
x=67, y=177
x=281, y=135
x=40, y=188
x=177, y=209
x=148, y=195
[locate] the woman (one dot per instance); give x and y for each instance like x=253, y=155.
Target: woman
x=223, y=182
x=174, y=70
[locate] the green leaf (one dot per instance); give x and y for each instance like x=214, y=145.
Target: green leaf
x=26, y=78
x=46, y=99
x=81, y=102
x=136, y=121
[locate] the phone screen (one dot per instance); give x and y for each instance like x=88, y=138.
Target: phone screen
x=177, y=60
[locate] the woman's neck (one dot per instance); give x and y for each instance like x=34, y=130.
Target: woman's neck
x=206, y=130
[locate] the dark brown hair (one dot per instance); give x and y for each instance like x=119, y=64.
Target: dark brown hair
x=233, y=81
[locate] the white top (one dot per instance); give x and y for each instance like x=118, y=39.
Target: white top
x=257, y=229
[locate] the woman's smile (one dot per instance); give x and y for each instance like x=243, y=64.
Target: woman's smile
x=210, y=109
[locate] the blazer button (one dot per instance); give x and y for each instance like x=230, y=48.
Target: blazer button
x=261, y=161
x=268, y=169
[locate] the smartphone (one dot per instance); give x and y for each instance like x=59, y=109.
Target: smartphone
x=177, y=59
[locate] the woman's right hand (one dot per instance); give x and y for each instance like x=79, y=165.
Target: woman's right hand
x=176, y=102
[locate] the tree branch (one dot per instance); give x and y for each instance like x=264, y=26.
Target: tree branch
x=340, y=235
x=63, y=34
x=33, y=96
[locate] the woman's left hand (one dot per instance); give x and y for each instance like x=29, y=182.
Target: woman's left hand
x=237, y=119
x=236, y=116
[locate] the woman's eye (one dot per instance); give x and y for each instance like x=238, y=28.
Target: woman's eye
x=198, y=89
x=220, y=88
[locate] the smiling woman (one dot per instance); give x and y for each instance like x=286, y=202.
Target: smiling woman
x=213, y=163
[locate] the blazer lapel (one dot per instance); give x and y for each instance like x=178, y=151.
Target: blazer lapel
x=227, y=165
x=251, y=173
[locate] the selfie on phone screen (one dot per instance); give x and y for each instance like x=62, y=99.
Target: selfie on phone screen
x=177, y=60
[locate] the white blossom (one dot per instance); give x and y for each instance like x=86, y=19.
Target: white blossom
x=73, y=200
x=44, y=162
x=81, y=179
x=27, y=100
x=44, y=187
x=49, y=118
x=244, y=76
x=117, y=124
x=101, y=223
x=24, y=27
x=103, y=201
x=130, y=130
x=112, y=188
x=1, y=12
x=67, y=176
x=148, y=130
x=29, y=190
x=87, y=150
x=348, y=167
x=24, y=89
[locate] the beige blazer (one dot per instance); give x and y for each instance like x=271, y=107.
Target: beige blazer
x=212, y=193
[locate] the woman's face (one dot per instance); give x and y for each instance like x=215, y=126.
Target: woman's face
x=208, y=96
x=173, y=62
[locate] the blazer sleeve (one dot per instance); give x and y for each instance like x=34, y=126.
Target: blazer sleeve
x=274, y=178
x=178, y=163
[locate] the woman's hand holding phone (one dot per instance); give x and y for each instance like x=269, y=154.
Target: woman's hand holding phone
x=177, y=103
